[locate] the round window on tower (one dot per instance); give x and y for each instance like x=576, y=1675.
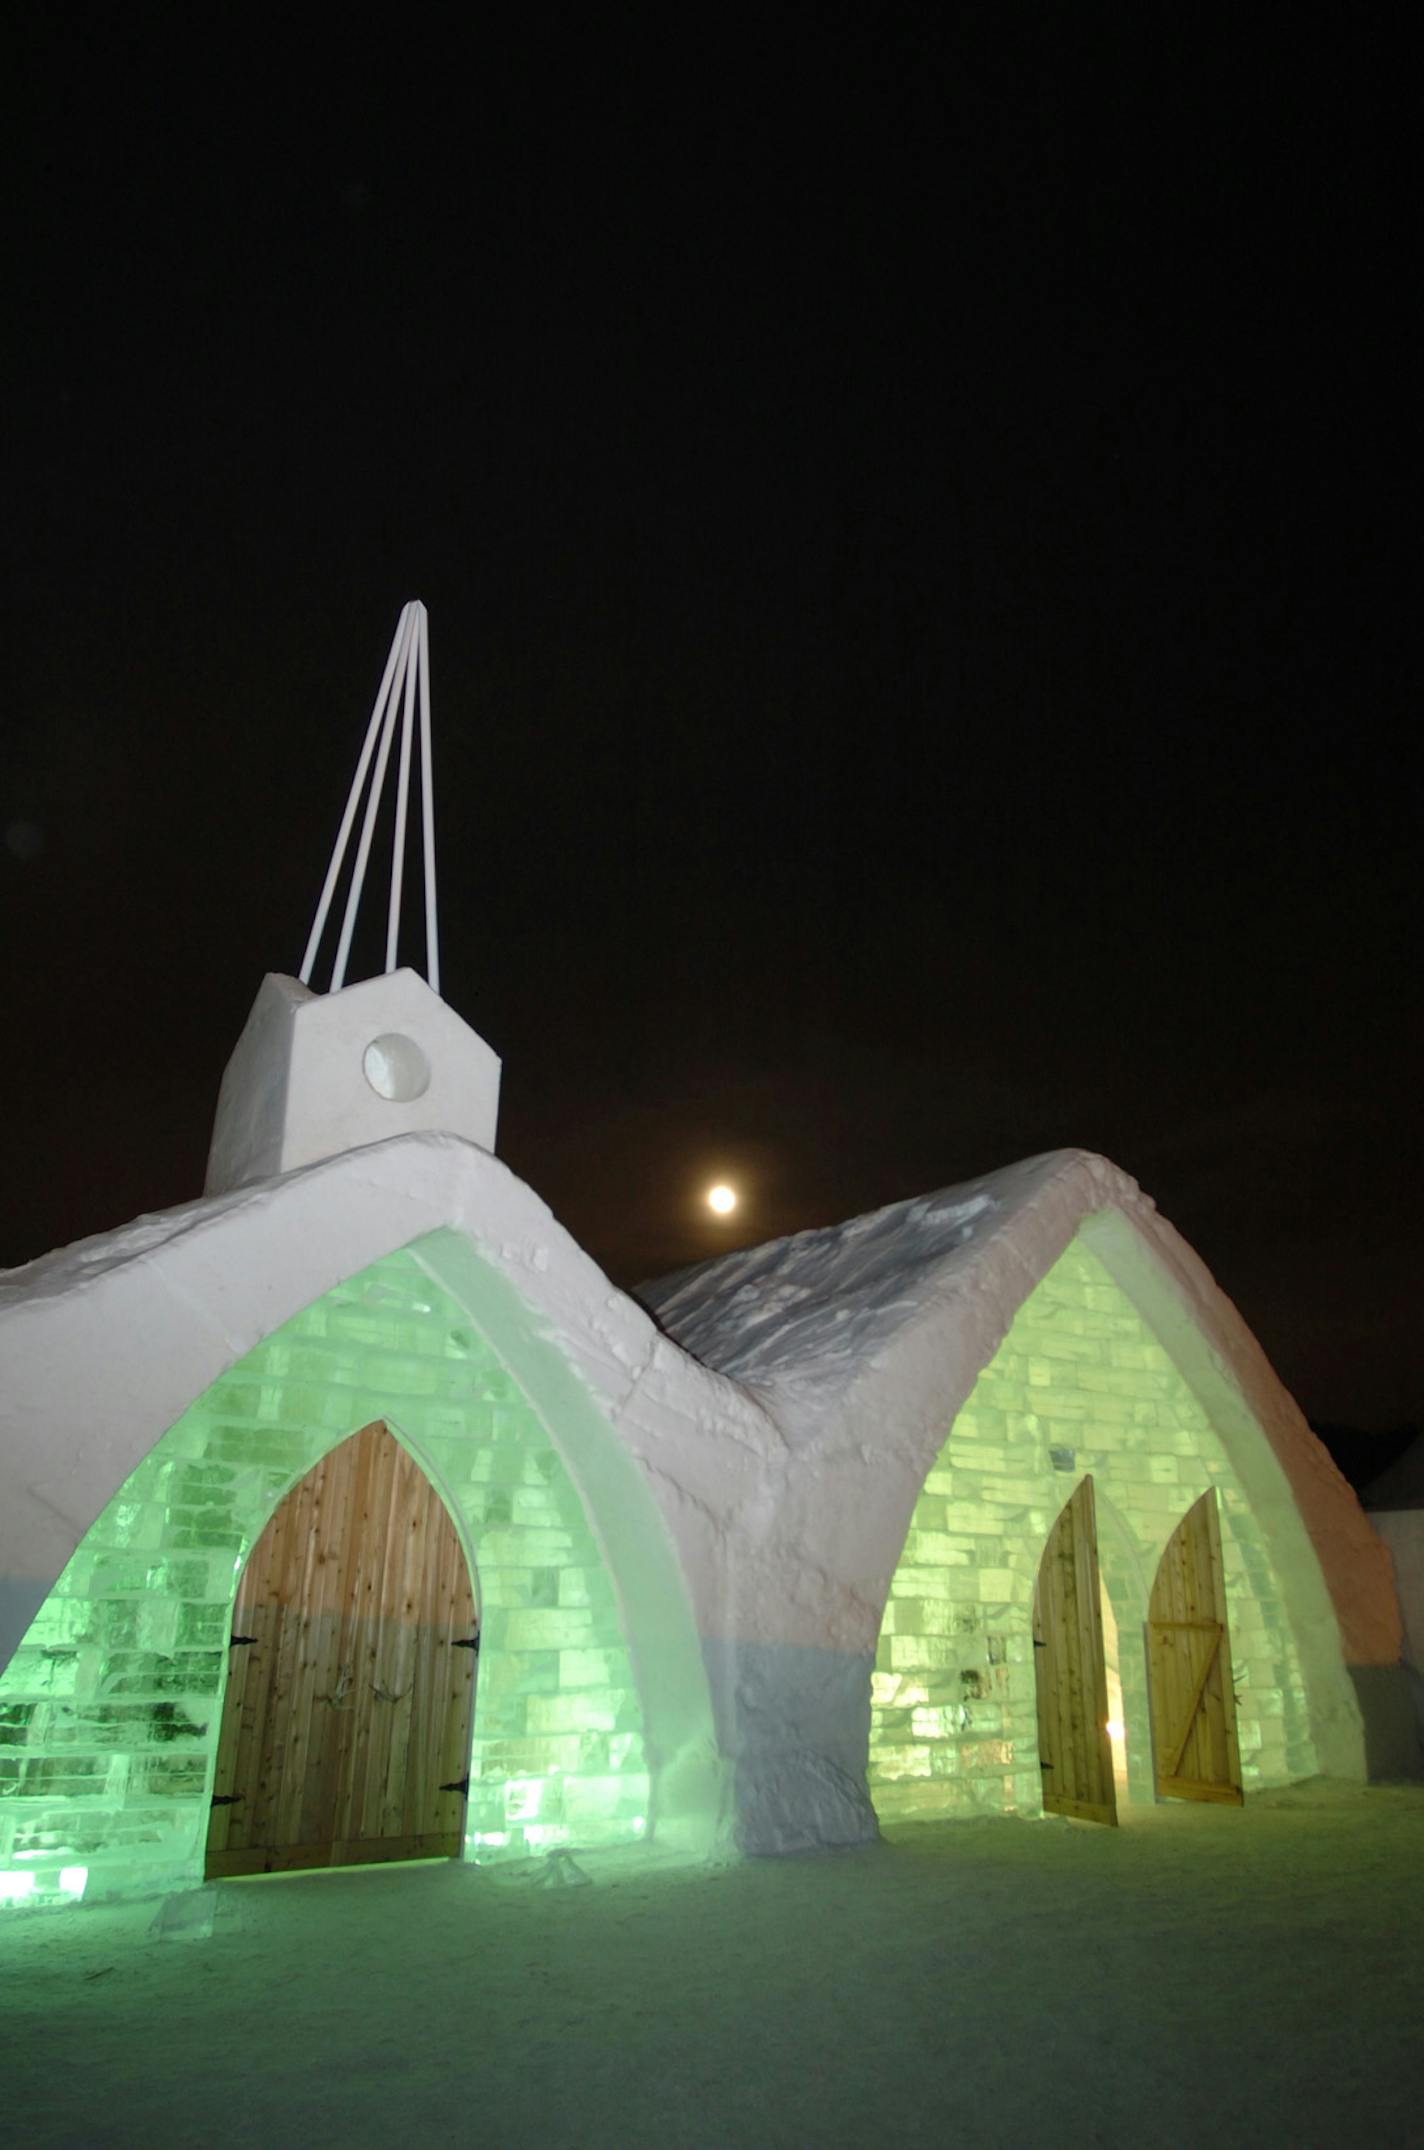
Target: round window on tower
x=396, y=1068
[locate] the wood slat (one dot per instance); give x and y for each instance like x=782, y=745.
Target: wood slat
x=349, y=1615
x=1189, y=1661
x=317, y=1709
x=1071, y=1668
x=360, y=1851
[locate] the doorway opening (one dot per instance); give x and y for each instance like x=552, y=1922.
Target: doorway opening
x=1075, y=1749
x=347, y=1717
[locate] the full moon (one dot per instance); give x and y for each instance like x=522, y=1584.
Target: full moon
x=721, y=1198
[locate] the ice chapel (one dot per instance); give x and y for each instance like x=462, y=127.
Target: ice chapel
x=350, y=1514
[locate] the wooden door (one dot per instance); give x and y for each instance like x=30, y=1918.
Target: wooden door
x=1074, y=1747
x=1189, y=1665
x=346, y=1723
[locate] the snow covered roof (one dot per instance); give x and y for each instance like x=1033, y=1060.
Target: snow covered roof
x=872, y=1334
x=820, y=1303
x=106, y=1343
x=794, y=1393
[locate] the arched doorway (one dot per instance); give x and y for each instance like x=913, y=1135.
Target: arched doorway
x=346, y=1720
x=1075, y=1749
x=113, y=1702
x=1194, y=1734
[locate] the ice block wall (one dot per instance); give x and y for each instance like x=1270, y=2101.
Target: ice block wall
x=110, y=1710
x=1078, y=1385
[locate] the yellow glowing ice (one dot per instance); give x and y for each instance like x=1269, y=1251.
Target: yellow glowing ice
x=722, y=1198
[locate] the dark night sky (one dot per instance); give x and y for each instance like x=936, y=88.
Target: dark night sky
x=912, y=520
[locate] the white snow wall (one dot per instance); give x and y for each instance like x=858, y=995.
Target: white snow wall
x=110, y=1710
x=1079, y=1386
x=778, y=1510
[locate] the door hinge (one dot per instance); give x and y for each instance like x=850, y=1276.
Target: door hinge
x=238, y=1642
x=467, y=1642
x=1039, y=1645
x=1045, y=1765
x=226, y=1799
x=462, y=1786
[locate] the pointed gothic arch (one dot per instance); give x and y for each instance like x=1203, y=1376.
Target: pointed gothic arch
x=116, y=1689
x=1083, y=1381
x=348, y=1707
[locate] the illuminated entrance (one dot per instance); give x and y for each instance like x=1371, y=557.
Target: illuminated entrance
x=112, y=1706
x=346, y=1722
x=1080, y=1387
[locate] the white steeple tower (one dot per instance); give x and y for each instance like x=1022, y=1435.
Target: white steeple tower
x=314, y=1074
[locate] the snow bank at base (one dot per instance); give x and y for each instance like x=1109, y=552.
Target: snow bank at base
x=1236, y=1978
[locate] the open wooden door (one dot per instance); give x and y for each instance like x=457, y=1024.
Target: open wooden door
x=1074, y=1747
x=346, y=1724
x=1189, y=1663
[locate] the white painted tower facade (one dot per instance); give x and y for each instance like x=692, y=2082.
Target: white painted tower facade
x=314, y=1074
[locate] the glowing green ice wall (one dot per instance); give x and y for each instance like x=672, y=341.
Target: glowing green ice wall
x=110, y=1709
x=1079, y=1385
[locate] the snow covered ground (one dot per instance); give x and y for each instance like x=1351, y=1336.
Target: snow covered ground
x=1202, y=1976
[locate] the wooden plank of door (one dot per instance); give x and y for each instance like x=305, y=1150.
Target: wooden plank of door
x=248, y=1695
x=354, y=1613
x=1079, y=1671
x=1100, y=1787
x=259, y=1614
x=1044, y=1671
x=1208, y=1651
x=1070, y=1634
x=283, y=1760
x=1193, y=1697
x=411, y=1546
x=1057, y=1632
x=1190, y=1656
x=323, y=1701
x=248, y=1657
x=365, y=1851
x=1072, y=1670
x=1226, y=1755
x=1063, y=1627
x=315, y=1695
x=373, y=1548
x=1169, y=1685
x=1047, y=1628
x=393, y=1657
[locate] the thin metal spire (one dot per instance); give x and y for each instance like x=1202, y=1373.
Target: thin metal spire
x=405, y=685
